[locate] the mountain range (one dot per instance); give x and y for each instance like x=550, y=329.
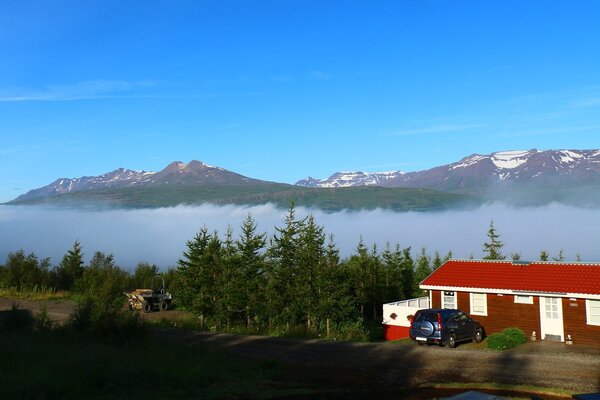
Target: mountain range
x=521, y=177
x=530, y=177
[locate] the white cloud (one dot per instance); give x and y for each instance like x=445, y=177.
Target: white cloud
x=436, y=129
x=159, y=235
x=93, y=89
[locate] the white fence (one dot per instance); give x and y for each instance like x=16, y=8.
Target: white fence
x=397, y=313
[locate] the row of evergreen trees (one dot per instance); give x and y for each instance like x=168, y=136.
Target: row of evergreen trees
x=295, y=277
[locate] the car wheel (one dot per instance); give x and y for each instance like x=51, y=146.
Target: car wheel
x=452, y=341
x=478, y=336
x=147, y=307
x=163, y=306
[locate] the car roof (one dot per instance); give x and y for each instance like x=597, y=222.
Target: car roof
x=439, y=310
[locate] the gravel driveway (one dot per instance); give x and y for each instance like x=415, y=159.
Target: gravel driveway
x=391, y=367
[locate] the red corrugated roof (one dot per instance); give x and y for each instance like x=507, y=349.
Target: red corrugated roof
x=547, y=277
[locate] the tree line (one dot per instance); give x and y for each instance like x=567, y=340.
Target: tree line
x=295, y=277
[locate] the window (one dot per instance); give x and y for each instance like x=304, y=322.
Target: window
x=523, y=299
x=478, y=303
x=593, y=312
x=449, y=300
x=552, y=308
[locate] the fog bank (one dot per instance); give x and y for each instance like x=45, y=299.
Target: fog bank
x=159, y=235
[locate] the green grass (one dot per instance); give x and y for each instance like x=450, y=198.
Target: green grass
x=65, y=366
x=36, y=293
x=529, y=389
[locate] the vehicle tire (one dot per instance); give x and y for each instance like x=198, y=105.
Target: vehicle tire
x=452, y=341
x=163, y=306
x=477, y=336
x=147, y=307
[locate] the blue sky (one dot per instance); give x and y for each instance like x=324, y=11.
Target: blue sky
x=280, y=90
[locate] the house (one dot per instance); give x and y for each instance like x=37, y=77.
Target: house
x=552, y=299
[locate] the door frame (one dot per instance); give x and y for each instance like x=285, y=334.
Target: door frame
x=551, y=326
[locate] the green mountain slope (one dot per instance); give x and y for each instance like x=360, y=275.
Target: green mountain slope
x=327, y=199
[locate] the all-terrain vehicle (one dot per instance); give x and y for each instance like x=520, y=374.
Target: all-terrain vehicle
x=150, y=299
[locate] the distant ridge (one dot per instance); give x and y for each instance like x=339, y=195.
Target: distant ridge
x=529, y=176
x=194, y=173
x=197, y=182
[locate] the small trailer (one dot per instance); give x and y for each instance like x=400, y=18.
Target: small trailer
x=150, y=299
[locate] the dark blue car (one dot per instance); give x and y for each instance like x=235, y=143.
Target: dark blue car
x=444, y=326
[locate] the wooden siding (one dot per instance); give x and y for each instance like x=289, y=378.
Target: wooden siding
x=575, y=322
x=503, y=312
x=436, y=301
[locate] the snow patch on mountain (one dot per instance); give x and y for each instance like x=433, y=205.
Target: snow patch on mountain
x=567, y=156
x=467, y=162
x=349, y=179
x=510, y=159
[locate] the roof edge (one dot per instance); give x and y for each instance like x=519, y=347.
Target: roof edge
x=513, y=292
x=481, y=260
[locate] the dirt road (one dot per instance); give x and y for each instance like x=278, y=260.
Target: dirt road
x=390, y=367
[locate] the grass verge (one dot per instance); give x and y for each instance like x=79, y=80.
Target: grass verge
x=36, y=293
x=66, y=366
x=502, y=387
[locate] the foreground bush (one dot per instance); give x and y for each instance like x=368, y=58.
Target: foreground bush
x=508, y=338
x=94, y=318
x=515, y=335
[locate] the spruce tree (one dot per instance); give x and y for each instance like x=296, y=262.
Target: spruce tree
x=437, y=261
x=560, y=257
x=282, y=269
x=311, y=258
x=192, y=275
x=70, y=268
x=492, y=249
x=544, y=255
x=358, y=267
x=408, y=274
x=423, y=269
x=251, y=281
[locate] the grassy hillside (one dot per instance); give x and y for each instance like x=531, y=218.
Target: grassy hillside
x=354, y=198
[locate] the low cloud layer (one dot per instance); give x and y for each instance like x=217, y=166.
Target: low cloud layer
x=159, y=235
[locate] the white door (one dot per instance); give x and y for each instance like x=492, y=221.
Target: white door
x=551, y=319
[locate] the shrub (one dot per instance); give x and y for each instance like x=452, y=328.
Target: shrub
x=508, y=338
x=498, y=341
x=515, y=335
x=94, y=318
x=42, y=321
